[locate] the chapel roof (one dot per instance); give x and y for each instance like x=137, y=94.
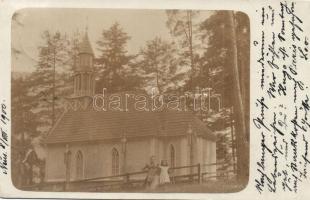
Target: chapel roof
x=91, y=125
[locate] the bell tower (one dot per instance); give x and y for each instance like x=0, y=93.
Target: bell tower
x=83, y=78
x=83, y=70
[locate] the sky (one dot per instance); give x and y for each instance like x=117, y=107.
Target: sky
x=141, y=26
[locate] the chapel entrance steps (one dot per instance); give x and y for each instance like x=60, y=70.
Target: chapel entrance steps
x=135, y=181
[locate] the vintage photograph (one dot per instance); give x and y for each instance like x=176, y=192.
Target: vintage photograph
x=130, y=100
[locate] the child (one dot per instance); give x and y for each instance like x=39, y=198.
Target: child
x=164, y=175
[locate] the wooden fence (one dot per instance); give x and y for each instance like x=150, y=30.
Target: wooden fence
x=133, y=180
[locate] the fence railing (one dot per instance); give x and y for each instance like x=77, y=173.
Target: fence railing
x=222, y=171
x=134, y=180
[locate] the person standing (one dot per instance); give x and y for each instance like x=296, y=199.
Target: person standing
x=152, y=178
x=164, y=177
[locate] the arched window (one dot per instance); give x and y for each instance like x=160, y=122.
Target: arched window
x=115, y=162
x=172, y=155
x=79, y=165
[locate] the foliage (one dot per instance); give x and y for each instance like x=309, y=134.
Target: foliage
x=159, y=63
x=114, y=66
x=24, y=123
x=183, y=25
x=40, y=91
x=47, y=79
x=216, y=59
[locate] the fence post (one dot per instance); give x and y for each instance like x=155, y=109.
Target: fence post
x=127, y=183
x=199, y=172
x=66, y=185
x=127, y=178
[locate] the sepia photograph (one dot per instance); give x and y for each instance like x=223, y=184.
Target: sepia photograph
x=130, y=100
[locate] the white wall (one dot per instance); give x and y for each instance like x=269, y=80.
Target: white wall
x=98, y=156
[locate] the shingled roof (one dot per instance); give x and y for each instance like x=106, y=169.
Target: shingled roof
x=91, y=125
x=84, y=46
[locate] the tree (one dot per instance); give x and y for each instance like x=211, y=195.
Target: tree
x=241, y=139
x=46, y=81
x=221, y=123
x=226, y=64
x=242, y=24
x=160, y=65
x=116, y=71
x=182, y=25
x=216, y=59
x=23, y=126
x=42, y=93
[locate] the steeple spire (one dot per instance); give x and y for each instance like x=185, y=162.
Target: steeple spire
x=83, y=77
x=85, y=46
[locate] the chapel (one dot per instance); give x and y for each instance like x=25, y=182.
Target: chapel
x=86, y=143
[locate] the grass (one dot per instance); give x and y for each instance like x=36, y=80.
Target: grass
x=212, y=186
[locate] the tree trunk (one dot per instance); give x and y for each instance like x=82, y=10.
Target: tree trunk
x=190, y=41
x=54, y=82
x=241, y=142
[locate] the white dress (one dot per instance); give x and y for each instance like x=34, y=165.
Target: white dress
x=164, y=175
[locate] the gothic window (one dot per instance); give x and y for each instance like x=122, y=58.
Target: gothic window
x=172, y=156
x=115, y=162
x=79, y=165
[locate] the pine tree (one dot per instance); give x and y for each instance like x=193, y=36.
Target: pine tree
x=216, y=59
x=226, y=64
x=115, y=68
x=40, y=91
x=160, y=65
x=182, y=25
x=46, y=81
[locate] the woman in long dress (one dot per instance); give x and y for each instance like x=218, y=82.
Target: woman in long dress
x=164, y=174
